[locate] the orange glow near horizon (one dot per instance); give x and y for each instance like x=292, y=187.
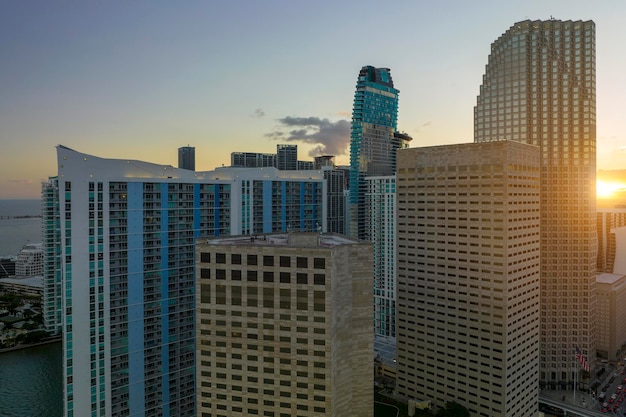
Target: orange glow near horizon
x=608, y=189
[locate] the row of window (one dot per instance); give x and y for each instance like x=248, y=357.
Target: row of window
x=268, y=260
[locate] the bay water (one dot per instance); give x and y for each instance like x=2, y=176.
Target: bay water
x=31, y=379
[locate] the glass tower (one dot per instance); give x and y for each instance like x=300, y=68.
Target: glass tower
x=373, y=142
x=539, y=88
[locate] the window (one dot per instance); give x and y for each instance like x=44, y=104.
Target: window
x=205, y=273
x=220, y=274
x=252, y=260
x=301, y=262
x=285, y=261
x=268, y=276
x=220, y=258
x=205, y=257
x=252, y=275
x=235, y=259
x=268, y=260
x=285, y=277
x=319, y=279
x=301, y=278
x=235, y=275
x=319, y=263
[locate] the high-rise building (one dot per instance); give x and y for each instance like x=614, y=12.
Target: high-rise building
x=187, y=158
x=127, y=255
x=373, y=139
x=611, y=316
x=252, y=159
x=287, y=157
x=608, y=221
x=284, y=326
x=51, y=237
x=539, y=88
x=468, y=276
x=380, y=198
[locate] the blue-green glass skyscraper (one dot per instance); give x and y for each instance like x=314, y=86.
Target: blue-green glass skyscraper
x=374, y=140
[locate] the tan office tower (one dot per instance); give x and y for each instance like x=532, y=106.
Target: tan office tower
x=468, y=277
x=284, y=326
x=539, y=88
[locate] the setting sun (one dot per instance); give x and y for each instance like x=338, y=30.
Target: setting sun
x=608, y=189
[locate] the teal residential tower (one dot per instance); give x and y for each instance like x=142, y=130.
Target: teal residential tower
x=374, y=140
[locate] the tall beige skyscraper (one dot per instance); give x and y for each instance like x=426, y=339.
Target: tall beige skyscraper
x=468, y=276
x=284, y=326
x=539, y=88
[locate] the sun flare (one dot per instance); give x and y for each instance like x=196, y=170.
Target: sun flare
x=608, y=189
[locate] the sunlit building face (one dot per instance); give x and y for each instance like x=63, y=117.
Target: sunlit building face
x=539, y=88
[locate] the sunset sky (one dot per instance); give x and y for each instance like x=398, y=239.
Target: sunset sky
x=138, y=79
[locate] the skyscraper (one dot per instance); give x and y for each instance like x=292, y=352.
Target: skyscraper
x=51, y=236
x=539, y=88
x=373, y=139
x=287, y=157
x=187, y=158
x=126, y=258
x=284, y=326
x=468, y=276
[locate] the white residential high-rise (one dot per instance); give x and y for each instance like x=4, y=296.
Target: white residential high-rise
x=284, y=326
x=468, y=276
x=539, y=88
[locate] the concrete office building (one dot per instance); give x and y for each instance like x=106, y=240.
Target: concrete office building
x=252, y=159
x=468, y=276
x=539, y=88
x=127, y=256
x=611, y=318
x=284, y=326
x=380, y=198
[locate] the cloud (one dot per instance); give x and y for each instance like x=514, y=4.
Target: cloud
x=258, y=113
x=331, y=138
x=22, y=181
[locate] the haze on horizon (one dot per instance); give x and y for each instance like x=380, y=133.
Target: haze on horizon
x=137, y=80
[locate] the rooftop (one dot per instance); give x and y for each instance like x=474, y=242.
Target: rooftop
x=297, y=239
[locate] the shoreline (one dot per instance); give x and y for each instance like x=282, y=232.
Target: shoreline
x=43, y=342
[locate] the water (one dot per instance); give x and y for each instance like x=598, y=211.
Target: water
x=30, y=382
x=15, y=233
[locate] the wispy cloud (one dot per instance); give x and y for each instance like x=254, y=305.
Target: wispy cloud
x=331, y=138
x=258, y=113
x=21, y=181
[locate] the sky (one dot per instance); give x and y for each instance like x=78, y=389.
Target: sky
x=139, y=79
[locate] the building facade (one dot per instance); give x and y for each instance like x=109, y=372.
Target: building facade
x=468, y=277
x=51, y=237
x=380, y=198
x=30, y=260
x=252, y=159
x=284, y=326
x=127, y=261
x=608, y=220
x=373, y=138
x=539, y=88
x=187, y=158
x=287, y=157
x=611, y=321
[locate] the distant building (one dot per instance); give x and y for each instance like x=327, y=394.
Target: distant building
x=607, y=221
x=468, y=276
x=284, y=326
x=7, y=266
x=25, y=286
x=287, y=157
x=187, y=158
x=30, y=261
x=373, y=139
x=252, y=159
x=611, y=316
